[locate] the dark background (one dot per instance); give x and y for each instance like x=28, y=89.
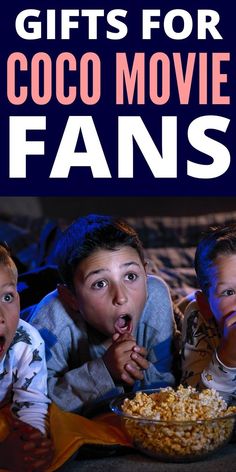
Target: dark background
x=136, y=206
x=71, y=207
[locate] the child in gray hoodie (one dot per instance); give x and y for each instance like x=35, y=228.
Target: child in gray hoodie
x=109, y=327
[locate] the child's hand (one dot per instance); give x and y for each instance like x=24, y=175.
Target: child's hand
x=39, y=450
x=137, y=364
x=25, y=449
x=118, y=355
x=227, y=348
x=125, y=360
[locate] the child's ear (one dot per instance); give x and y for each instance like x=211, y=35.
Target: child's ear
x=68, y=297
x=145, y=265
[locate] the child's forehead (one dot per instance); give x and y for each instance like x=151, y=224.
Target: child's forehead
x=9, y=270
x=223, y=264
x=118, y=255
x=225, y=259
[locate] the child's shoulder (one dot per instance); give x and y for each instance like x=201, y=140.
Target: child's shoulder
x=192, y=307
x=156, y=285
x=158, y=299
x=48, y=308
x=27, y=333
x=198, y=314
x=49, y=300
x=51, y=315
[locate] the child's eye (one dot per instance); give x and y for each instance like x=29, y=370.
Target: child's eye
x=228, y=292
x=100, y=284
x=7, y=298
x=131, y=276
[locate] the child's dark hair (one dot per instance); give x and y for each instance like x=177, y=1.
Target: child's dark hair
x=88, y=233
x=217, y=241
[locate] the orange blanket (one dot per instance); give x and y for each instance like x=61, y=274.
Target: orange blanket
x=70, y=431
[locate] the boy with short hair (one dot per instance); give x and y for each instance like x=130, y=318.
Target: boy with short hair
x=209, y=327
x=109, y=327
x=23, y=380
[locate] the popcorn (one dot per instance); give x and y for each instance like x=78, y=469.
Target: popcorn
x=191, y=423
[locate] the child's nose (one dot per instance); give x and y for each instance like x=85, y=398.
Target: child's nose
x=119, y=295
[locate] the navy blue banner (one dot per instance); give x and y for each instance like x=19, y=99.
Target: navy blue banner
x=131, y=98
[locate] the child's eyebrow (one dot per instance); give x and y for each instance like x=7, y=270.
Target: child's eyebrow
x=226, y=284
x=127, y=264
x=8, y=285
x=105, y=269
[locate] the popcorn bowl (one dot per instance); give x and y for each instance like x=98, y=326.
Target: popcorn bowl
x=158, y=422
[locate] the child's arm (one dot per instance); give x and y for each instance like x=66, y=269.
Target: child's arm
x=30, y=401
x=28, y=427
x=221, y=373
x=73, y=388
x=227, y=349
x=199, y=339
x=75, y=379
x=208, y=359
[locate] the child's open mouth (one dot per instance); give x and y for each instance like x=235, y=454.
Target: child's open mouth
x=124, y=324
x=2, y=344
